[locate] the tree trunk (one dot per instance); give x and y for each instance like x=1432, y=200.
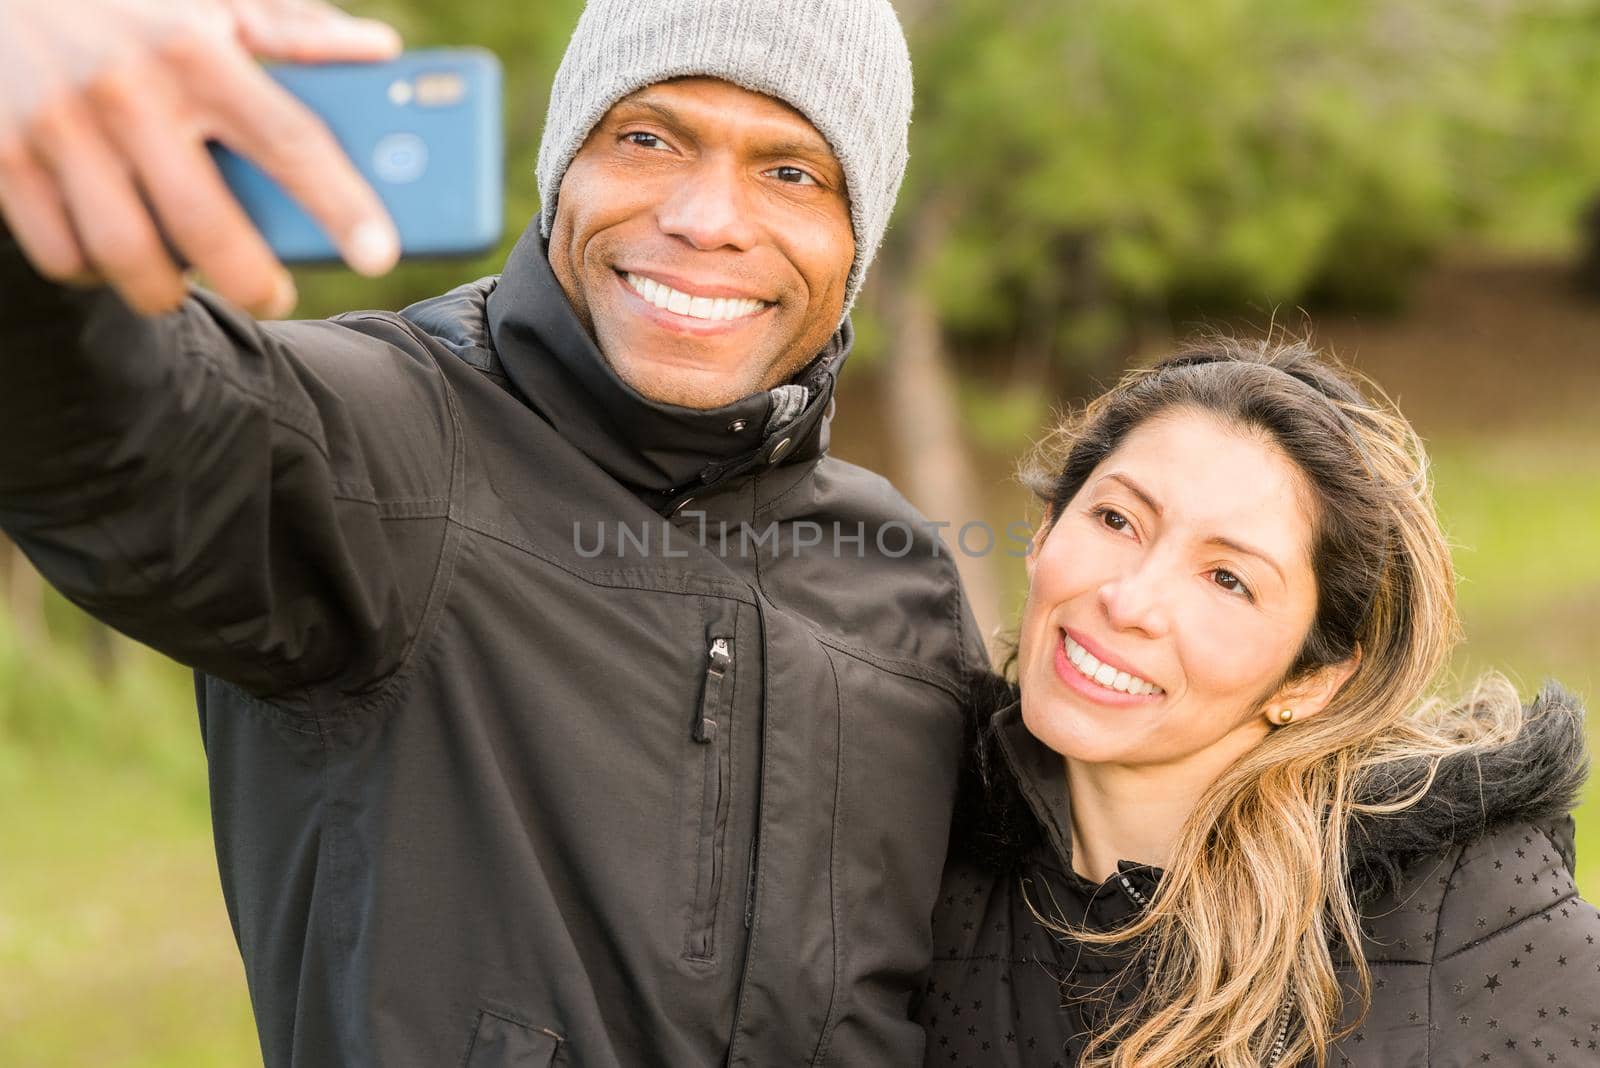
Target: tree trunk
x=100, y=643
x=922, y=411
x=24, y=595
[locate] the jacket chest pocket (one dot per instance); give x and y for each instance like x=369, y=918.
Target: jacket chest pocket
x=711, y=732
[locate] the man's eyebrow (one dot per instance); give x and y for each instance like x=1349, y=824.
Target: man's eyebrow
x=815, y=148
x=660, y=111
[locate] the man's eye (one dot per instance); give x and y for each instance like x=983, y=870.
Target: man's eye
x=792, y=175
x=643, y=140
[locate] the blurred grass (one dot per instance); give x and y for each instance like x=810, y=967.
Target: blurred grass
x=115, y=948
x=1523, y=516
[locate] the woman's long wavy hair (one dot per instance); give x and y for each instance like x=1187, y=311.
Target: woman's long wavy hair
x=1257, y=898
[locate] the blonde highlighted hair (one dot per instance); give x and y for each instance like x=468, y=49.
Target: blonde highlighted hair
x=1241, y=934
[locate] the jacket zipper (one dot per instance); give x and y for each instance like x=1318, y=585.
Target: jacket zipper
x=1280, y=1039
x=750, y=882
x=710, y=731
x=1141, y=903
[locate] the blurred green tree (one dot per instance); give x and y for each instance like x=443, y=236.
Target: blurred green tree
x=1088, y=163
x=1098, y=160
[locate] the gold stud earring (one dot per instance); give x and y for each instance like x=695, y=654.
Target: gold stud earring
x=1285, y=715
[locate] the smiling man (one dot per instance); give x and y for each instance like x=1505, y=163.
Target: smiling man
x=484, y=797
x=708, y=243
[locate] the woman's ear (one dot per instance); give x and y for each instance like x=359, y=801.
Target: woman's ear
x=1306, y=698
x=1036, y=545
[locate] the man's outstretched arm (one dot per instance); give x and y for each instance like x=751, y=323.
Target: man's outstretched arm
x=264, y=502
x=220, y=489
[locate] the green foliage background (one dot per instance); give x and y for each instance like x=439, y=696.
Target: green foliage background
x=1098, y=165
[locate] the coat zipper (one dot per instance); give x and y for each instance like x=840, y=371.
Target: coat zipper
x=1280, y=1040
x=1141, y=903
x=710, y=730
x=750, y=882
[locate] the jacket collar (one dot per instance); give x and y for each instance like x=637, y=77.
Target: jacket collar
x=1040, y=778
x=663, y=452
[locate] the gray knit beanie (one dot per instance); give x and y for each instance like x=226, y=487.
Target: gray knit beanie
x=843, y=64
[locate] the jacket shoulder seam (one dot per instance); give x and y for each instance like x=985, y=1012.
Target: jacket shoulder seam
x=909, y=669
x=612, y=579
x=1508, y=928
x=390, y=688
x=1438, y=921
x=808, y=477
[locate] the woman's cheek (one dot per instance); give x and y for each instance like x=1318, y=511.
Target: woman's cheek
x=1225, y=654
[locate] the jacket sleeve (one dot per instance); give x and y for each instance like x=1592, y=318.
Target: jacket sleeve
x=263, y=502
x=1519, y=975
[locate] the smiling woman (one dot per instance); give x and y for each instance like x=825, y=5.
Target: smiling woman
x=1220, y=806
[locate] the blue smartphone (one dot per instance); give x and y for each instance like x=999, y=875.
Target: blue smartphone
x=424, y=130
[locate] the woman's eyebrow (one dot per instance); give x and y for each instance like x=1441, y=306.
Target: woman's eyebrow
x=1137, y=490
x=1216, y=539
x=1240, y=547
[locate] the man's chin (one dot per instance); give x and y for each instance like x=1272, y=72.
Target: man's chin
x=685, y=384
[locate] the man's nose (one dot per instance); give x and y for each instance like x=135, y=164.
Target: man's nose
x=711, y=207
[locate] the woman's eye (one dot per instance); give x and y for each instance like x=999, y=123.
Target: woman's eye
x=643, y=140
x=1112, y=518
x=1231, y=582
x=792, y=175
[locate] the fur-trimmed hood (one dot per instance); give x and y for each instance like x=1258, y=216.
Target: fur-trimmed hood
x=1533, y=779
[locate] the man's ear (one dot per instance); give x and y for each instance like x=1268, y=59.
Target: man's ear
x=1307, y=697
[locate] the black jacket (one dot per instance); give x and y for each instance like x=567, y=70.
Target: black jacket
x=486, y=792
x=1481, y=951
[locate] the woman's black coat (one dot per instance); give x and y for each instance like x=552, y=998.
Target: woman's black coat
x=1481, y=951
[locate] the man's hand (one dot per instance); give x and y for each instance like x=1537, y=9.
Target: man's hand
x=105, y=109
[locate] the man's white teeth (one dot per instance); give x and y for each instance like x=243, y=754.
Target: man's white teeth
x=713, y=308
x=1105, y=674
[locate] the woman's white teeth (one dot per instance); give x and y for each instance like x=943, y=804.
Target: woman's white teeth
x=713, y=308
x=1105, y=674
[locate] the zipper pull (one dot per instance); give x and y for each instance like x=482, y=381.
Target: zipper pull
x=720, y=659
x=750, y=883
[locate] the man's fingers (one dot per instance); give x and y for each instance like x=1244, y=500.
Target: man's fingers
x=100, y=104
x=260, y=120
x=113, y=227
x=307, y=32
x=200, y=217
x=33, y=210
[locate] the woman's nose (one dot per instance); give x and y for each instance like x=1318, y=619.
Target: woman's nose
x=1135, y=600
